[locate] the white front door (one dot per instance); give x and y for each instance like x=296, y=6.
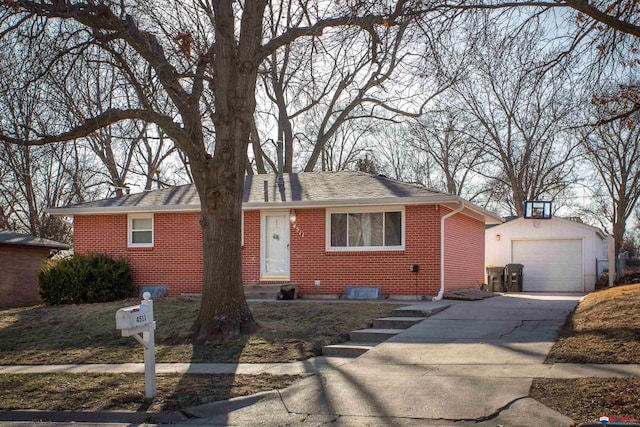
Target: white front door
x=274, y=245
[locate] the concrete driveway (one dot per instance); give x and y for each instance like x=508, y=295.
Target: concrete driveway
x=509, y=329
x=467, y=365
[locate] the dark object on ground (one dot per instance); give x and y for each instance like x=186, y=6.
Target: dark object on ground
x=513, y=277
x=469, y=294
x=288, y=293
x=495, y=278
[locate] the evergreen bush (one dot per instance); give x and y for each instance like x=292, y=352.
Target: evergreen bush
x=84, y=279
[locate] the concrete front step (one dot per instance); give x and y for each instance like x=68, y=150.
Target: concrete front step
x=347, y=349
x=373, y=335
x=272, y=292
x=264, y=294
x=396, y=322
x=414, y=311
x=262, y=291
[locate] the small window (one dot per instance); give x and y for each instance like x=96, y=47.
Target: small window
x=141, y=230
x=361, y=229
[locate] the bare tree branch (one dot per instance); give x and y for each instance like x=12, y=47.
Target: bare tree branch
x=95, y=123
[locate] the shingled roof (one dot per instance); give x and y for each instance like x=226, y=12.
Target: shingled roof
x=296, y=190
x=327, y=186
x=19, y=239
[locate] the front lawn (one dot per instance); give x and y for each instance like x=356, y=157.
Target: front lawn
x=289, y=331
x=125, y=392
x=586, y=399
x=605, y=328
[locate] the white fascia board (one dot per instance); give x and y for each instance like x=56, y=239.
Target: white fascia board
x=437, y=199
x=583, y=225
x=516, y=221
x=109, y=210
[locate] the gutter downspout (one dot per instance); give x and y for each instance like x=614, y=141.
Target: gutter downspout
x=450, y=214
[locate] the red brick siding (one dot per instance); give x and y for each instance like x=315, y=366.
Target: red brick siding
x=389, y=269
x=176, y=258
x=251, y=247
x=464, y=252
x=18, y=280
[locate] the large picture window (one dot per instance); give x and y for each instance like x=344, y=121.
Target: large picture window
x=141, y=230
x=360, y=229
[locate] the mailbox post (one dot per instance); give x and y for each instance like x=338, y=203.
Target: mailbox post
x=137, y=319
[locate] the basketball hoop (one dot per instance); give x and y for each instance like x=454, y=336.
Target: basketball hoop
x=536, y=222
x=537, y=210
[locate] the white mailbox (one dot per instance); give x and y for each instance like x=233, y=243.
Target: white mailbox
x=133, y=317
x=133, y=321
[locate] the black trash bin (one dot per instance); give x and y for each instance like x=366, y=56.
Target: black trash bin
x=514, y=277
x=495, y=278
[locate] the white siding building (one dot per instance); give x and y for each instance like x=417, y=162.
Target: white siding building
x=558, y=255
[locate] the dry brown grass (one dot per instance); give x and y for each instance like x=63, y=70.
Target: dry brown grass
x=86, y=334
x=586, y=399
x=605, y=328
x=290, y=330
x=102, y=392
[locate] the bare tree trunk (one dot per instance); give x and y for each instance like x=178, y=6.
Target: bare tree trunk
x=519, y=199
x=220, y=181
x=224, y=311
x=618, y=233
x=258, y=154
x=318, y=150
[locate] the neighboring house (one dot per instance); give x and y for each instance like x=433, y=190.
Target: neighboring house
x=20, y=259
x=559, y=255
x=322, y=231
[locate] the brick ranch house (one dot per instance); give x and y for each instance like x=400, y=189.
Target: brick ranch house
x=20, y=258
x=322, y=231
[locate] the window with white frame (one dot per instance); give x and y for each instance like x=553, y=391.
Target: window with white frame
x=365, y=229
x=141, y=230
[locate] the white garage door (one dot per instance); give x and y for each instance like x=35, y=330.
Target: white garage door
x=550, y=265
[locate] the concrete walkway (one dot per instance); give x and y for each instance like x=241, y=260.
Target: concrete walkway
x=320, y=365
x=471, y=364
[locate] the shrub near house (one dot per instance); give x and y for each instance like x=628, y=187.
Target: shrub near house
x=85, y=279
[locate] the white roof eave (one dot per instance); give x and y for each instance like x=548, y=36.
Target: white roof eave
x=108, y=210
x=516, y=221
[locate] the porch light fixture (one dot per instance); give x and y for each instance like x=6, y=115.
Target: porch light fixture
x=498, y=237
x=292, y=216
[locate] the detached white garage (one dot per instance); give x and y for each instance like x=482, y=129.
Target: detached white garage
x=558, y=255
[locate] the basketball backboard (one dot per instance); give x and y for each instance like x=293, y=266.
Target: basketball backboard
x=537, y=210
